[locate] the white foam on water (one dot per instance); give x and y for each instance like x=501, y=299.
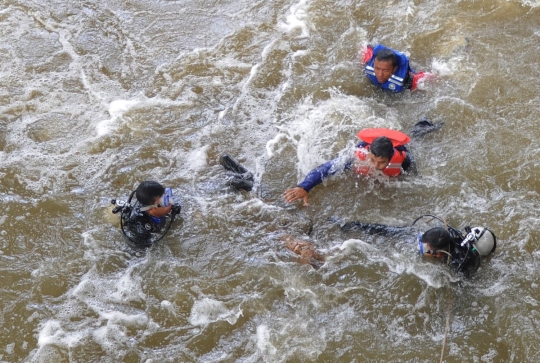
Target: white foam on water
x=52, y=333
x=119, y=318
x=277, y=144
x=314, y=128
x=206, y=311
x=109, y=297
x=298, y=20
x=496, y=289
x=128, y=288
x=254, y=206
x=254, y=73
x=117, y=109
x=168, y=306
x=399, y=263
x=298, y=292
x=282, y=337
x=10, y=348
x=446, y=68
x=195, y=160
x=229, y=62
x=264, y=344
x=531, y=3
x=111, y=339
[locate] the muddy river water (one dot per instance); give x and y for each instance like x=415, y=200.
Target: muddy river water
x=97, y=96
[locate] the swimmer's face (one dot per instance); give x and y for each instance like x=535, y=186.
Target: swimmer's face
x=159, y=211
x=378, y=162
x=383, y=70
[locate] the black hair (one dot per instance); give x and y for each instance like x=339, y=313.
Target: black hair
x=437, y=237
x=147, y=192
x=385, y=55
x=382, y=147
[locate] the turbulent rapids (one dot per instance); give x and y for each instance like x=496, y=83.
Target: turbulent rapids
x=99, y=96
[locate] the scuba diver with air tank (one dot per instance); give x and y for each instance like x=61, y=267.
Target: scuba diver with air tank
x=462, y=251
x=147, y=219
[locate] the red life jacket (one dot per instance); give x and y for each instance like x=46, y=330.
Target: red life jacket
x=398, y=139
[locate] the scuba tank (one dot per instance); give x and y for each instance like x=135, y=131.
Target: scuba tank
x=139, y=227
x=481, y=239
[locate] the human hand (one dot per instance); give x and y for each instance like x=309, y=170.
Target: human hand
x=293, y=194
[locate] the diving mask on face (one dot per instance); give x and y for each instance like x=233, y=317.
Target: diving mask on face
x=423, y=248
x=165, y=201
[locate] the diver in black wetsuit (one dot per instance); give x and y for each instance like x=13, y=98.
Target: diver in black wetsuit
x=150, y=217
x=461, y=251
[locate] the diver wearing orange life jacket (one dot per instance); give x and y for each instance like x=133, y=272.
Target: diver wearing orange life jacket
x=381, y=149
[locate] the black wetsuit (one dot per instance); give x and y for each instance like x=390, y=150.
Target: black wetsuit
x=463, y=259
x=143, y=229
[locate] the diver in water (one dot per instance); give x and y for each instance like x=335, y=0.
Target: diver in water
x=150, y=217
x=462, y=251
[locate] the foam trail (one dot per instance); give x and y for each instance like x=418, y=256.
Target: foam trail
x=116, y=109
x=207, y=311
x=63, y=36
x=264, y=345
x=297, y=19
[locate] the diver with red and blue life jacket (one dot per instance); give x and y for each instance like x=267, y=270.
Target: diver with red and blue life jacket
x=380, y=149
x=390, y=69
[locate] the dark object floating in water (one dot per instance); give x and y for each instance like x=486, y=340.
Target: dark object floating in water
x=241, y=178
x=425, y=126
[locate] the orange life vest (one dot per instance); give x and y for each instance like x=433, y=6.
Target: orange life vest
x=398, y=139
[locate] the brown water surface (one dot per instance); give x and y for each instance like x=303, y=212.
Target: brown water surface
x=98, y=96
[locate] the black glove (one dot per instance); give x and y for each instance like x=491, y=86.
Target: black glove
x=242, y=181
x=176, y=208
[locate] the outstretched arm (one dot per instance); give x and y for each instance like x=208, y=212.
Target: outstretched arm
x=314, y=178
x=374, y=228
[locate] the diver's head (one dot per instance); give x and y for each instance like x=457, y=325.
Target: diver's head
x=434, y=240
x=154, y=198
x=486, y=241
x=380, y=152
